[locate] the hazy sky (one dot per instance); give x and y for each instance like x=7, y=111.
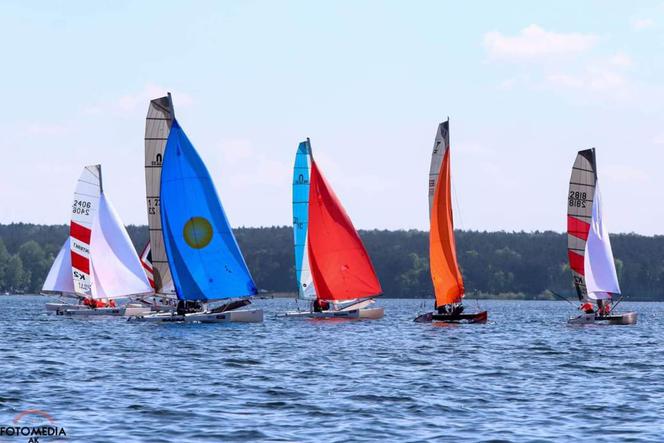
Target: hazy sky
x=526, y=85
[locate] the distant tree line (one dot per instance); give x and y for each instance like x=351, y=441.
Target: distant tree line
x=494, y=264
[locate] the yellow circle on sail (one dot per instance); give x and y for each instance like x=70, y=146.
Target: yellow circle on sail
x=198, y=232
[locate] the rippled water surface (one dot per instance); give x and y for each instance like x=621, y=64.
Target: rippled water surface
x=524, y=376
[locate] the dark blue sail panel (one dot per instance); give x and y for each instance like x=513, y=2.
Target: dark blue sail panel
x=203, y=255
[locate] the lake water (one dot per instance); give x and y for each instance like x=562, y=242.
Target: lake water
x=524, y=376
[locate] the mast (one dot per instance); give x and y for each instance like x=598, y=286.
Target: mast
x=158, y=123
x=444, y=267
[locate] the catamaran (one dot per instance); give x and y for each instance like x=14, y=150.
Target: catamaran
x=98, y=263
x=445, y=273
x=192, y=244
x=334, y=272
x=589, y=247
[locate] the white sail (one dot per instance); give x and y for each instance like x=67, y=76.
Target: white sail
x=98, y=260
x=59, y=280
x=601, y=277
x=117, y=270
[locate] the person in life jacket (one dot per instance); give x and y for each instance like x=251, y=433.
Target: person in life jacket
x=321, y=305
x=587, y=308
x=111, y=303
x=603, y=307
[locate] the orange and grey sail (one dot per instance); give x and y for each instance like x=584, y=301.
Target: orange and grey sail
x=340, y=266
x=445, y=273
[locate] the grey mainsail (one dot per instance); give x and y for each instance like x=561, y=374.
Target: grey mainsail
x=579, y=215
x=157, y=127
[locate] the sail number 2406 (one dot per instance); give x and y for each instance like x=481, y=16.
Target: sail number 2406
x=81, y=207
x=577, y=199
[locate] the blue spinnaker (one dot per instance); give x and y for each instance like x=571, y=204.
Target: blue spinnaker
x=203, y=255
x=301, y=186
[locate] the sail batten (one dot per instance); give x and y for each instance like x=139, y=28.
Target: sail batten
x=444, y=267
x=340, y=266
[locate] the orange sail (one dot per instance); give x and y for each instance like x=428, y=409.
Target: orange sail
x=340, y=266
x=445, y=273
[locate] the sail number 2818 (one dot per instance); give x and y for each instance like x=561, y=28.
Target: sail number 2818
x=577, y=199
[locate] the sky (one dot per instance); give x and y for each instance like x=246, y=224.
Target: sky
x=525, y=85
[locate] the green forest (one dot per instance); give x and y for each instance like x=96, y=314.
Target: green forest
x=494, y=264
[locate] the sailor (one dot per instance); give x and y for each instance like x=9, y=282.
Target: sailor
x=111, y=303
x=587, y=308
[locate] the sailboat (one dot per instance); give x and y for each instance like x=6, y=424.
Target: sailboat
x=334, y=272
x=589, y=247
x=192, y=245
x=445, y=273
x=97, y=263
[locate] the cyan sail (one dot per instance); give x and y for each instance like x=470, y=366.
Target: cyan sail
x=305, y=284
x=203, y=255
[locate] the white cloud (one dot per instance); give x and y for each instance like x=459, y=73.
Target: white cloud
x=138, y=101
x=642, y=23
x=533, y=42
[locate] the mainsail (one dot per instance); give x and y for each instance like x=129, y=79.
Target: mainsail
x=445, y=273
x=301, y=172
x=84, y=214
x=340, y=265
x=203, y=255
x=98, y=259
x=579, y=216
x=157, y=128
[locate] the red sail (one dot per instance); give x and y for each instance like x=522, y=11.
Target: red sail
x=340, y=265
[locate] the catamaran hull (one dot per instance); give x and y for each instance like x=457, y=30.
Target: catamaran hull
x=368, y=314
x=114, y=312
x=53, y=308
x=478, y=317
x=240, y=316
x=628, y=318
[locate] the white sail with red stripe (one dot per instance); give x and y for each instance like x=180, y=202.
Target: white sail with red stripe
x=84, y=212
x=98, y=260
x=588, y=245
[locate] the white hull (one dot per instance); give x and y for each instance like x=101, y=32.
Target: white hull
x=239, y=316
x=369, y=314
x=52, y=308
